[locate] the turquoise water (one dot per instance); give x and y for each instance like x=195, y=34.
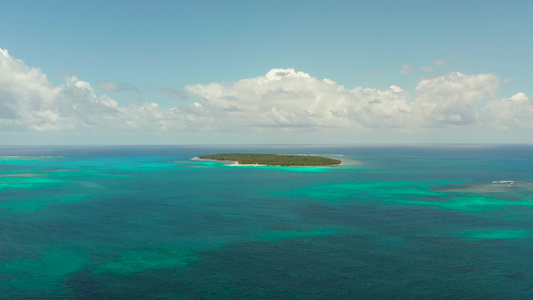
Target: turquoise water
x=150, y=222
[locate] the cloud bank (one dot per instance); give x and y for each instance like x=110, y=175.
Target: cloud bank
x=283, y=100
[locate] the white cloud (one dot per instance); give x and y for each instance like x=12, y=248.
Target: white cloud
x=28, y=101
x=427, y=68
x=516, y=111
x=25, y=93
x=440, y=62
x=451, y=99
x=290, y=99
x=283, y=100
x=299, y=100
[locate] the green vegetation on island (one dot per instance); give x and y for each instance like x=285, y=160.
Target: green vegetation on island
x=273, y=159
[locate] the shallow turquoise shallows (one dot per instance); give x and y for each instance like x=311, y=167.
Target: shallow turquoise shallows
x=153, y=222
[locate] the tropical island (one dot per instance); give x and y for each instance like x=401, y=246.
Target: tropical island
x=273, y=159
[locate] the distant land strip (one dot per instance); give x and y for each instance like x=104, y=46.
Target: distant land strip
x=273, y=159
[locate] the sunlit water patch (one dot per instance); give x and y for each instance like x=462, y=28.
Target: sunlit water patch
x=460, y=196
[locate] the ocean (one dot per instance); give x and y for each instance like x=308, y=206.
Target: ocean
x=151, y=222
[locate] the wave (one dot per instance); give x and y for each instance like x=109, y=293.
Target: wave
x=507, y=182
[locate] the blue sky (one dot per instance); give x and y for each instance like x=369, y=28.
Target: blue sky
x=196, y=71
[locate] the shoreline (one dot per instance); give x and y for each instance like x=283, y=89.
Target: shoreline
x=234, y=163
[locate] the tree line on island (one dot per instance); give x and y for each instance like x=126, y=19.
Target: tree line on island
x=273, y=159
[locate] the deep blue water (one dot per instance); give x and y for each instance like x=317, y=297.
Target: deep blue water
x=402, y=222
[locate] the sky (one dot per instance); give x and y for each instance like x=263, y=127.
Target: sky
x=265, y=72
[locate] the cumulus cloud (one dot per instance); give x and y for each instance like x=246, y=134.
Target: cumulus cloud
x=516, y=111
x=28, y=101
x=290, y=99
x=286, y=98
x=283, y=100
x=25, y=93
x=451, y=99
x=440, y=62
